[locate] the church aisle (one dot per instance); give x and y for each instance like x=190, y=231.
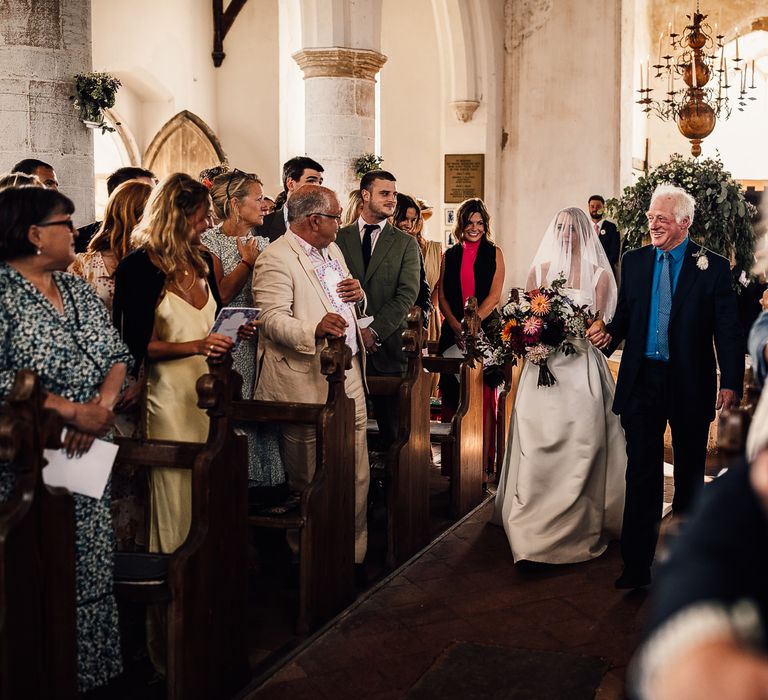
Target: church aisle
x=465, y=588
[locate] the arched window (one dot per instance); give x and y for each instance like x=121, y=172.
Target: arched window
x=184, y=144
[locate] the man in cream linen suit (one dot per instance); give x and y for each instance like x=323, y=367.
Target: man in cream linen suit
x=296, y=316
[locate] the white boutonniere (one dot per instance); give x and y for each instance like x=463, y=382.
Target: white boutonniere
x=702, y=261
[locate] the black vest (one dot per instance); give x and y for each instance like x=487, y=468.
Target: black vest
x=485, y=269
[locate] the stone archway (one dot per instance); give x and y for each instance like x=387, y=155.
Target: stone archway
x=184, y=144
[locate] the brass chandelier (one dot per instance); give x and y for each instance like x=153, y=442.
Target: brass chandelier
x=699, y=60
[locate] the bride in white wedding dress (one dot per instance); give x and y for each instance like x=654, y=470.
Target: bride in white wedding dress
x=561, y=491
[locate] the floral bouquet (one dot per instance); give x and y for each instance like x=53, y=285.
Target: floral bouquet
x=536, y=326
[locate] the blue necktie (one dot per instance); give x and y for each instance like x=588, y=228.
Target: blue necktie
x=665, y=307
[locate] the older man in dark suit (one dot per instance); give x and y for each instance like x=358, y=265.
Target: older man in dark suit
x=675, y=299
x=387, y=262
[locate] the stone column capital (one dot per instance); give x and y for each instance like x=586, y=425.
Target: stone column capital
x=339, y=62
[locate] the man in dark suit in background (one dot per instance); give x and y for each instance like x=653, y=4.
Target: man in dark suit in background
x=297, y=171
x=675, y=298
x=606, y=230
x=386, y=261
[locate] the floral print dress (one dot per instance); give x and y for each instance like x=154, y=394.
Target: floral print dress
x=265, y=467
x=72, y=354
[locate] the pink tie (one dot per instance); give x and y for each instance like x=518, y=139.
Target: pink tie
x=597, y=229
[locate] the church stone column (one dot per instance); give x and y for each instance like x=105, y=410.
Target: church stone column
x=42, y=45
x=340, y=117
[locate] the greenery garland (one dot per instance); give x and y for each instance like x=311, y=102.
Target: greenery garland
x=723, y=218
x=95, y=92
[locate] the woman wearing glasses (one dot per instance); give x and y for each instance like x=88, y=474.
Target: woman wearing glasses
x=238, y=201
x=54, y=324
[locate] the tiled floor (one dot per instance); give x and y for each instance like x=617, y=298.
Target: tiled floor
x=466, y=587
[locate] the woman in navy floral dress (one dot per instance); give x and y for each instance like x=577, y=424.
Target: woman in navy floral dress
x=54, y=324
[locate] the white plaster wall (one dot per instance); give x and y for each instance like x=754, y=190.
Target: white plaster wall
x=564, y=122
x=292, y=120
x=411, y=107
x=635, y=50
x=741, y=141
x=247, y=93
x=162, y=53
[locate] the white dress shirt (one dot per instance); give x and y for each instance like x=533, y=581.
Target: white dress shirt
x=361, y=223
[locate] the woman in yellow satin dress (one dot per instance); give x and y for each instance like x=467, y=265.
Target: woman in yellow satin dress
x=165, y=303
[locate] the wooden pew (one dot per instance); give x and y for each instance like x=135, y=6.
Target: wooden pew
x=506, y=402
x=204, y=580
x=407, y=460
x=733, y=425
x=325, y=515
x=461, y=440
x=38, y=639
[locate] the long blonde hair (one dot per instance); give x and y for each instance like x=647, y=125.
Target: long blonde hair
x=123, y=211
x=164, y=228
x=352, y=210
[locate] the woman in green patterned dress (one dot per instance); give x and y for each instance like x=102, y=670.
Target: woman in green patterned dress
x=53, y=323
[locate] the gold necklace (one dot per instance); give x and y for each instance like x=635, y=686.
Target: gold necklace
x=191, y=284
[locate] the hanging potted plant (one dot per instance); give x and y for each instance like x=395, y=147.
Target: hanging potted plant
x=94, y=92
x=367, y=162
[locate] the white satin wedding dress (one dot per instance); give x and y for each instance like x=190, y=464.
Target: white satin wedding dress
x=561, y=492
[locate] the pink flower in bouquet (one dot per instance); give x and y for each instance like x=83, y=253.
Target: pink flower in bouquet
x=540, y=304
x=532, y=325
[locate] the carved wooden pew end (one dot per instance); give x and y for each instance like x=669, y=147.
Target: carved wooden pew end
x=324, y=512
x=461, y=440
x=405, y=471
x=204, y=580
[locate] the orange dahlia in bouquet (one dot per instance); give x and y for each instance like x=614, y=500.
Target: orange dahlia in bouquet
x=534, y=325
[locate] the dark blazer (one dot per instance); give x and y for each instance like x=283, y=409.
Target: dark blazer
x=84, y=235
x=273, y=226
x=391, y=284
x=609, y=237
x=138, y=286
x=721, y=557
x=703, y=308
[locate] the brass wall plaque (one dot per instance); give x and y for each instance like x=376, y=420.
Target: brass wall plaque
x=464, y=177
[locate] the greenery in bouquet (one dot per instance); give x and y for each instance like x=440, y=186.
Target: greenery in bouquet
x=722, y=220
x=95, y=92
x=536, y=325
x=367, y=162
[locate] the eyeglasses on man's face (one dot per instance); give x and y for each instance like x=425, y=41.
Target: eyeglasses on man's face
x=327, y=216
x=64, y=222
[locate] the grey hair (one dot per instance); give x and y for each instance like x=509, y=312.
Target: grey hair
x=308, y=199
x=684, y=203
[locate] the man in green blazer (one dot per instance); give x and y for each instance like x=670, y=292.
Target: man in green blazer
x=386, y=261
